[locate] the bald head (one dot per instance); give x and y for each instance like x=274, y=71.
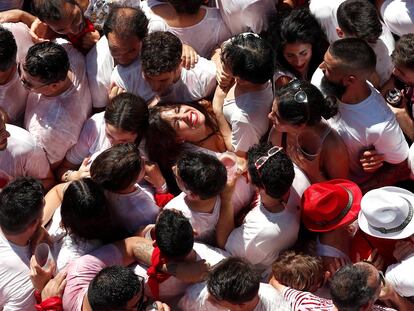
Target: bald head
x=126, y=22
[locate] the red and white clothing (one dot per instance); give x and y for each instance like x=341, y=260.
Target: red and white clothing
x=56, y=122
x=203, y=223
x=23, y=156
x=305, y=301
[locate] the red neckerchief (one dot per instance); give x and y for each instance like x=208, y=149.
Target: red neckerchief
x=76, y=40
x=156, y=277
x=50, y=304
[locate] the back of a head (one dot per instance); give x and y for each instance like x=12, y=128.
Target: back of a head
x=189, y=7
x=249, y=57
x=49, y=10
x=8, y=49
x=233, y=280
x=126, y=22
x=21, y=203
x=128, y=113
x=161, y=53
x=202, y=174
x=84, y=211
x=276, y=175
x=174, y=234
x=299, y=271
x=112, y=288
x=309, y=113
x=118, y=167
x=48, y=61
x=356, y=57
x=349, y=287
x=359, y=18
x=403, y=54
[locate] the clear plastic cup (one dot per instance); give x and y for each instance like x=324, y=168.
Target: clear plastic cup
x=43, y=255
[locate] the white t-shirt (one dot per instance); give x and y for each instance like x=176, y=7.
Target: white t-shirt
x=66, y=247
x=16, y=289
x=99, y=67
x=203, y=37
x=195, y=84
x=246, y=15
x=196, y=299
x=23, y=156
x=132, y=210
x=247, y=116
x=91, y=139
x=131, y=80
x=400, y=276
x=263, y=235
x=369, y=124
x=13, y=95
x=11, y=4
x=203, y=223
x=398, y=15
x=325, y=13
x=172, y=289
x=55, y=122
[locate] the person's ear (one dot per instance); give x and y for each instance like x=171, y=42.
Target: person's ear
x=192, y=196
x=340, y=33
x=349, y=80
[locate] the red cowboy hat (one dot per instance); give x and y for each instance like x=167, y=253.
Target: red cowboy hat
x=330, y=205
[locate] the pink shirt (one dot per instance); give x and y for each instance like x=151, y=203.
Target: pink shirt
x=83, y=270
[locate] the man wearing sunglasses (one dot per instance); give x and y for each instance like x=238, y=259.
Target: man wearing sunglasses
x=273, y=224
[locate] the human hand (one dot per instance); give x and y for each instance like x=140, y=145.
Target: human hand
x=403, y=249
x=83, y=171
x=40, y=31
x=311, y=167
x=224, y=76
x=334, y=265
x=227, y=193
x=153, y=175
x=374, y=258
x=40, y=236
x=55, y=286
x=89, y=39
x=40, y=276
x=115, y=90
x=159, y=306
x=371, y=160
x=189, y=57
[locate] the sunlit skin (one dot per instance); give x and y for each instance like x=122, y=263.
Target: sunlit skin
x=329, y=67
x=404, y=74
x=72, y=21
x=188, y=122
x=33, y=84
x=278, y=123
x=298, y=55
x=161, y=83
x=124, y=50
x=118, y=136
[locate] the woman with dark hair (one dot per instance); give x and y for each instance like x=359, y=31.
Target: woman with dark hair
x=299, y=116
x=125, y=120
x=174, y=128
x=80, y=220
x=299, y=43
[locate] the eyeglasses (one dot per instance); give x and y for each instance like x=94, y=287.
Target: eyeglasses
x=263, y=159
x=27, y=84
x=141, y=305
x=300, y=96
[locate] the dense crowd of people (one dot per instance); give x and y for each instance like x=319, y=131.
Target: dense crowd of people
x=243, y=155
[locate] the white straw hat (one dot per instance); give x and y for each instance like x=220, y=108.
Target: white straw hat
x=387, y=213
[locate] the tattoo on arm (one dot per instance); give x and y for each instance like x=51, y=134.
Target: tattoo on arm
x=143, y=252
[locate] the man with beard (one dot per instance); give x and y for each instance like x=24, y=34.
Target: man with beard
x=364, y=120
